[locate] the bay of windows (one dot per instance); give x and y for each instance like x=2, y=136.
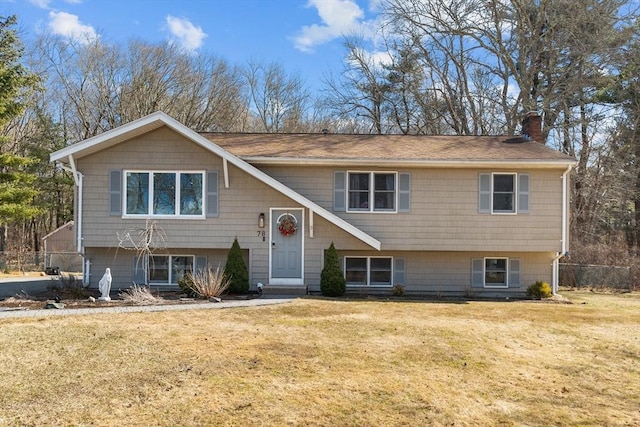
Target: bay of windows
x=164, y=193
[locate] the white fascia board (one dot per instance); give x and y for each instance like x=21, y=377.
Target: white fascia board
x=273, y=183
x=157, y=119
x=57, y=229
x=144, y=124
x=449, y=164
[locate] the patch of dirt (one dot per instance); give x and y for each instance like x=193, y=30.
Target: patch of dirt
x=559, y=299
x=554, y=299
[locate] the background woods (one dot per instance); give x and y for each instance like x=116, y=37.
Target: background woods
x=459, y=67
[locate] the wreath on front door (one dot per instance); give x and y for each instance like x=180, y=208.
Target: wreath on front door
x=288, y=225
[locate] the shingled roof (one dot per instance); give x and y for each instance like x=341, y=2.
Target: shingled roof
x=399, y=148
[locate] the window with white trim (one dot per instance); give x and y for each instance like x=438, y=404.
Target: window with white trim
x=168, y=269
x=371, y=191
x=495, y=272
x=173, y=194
x=368, y=271
x=503, y=193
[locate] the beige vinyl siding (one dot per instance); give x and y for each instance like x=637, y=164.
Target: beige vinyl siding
x=449, y=273
x=437, y=239
x=324, y=234
x=444, y=210
x=444, y=203
x=239, y=205
x=239, y=208
x=122, y=263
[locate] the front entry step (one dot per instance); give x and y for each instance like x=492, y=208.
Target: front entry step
x=285, y=290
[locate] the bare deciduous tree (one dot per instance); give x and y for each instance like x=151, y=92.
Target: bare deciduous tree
x=202, y=92
x=477, y=66
x=279, y=100
x=97, y=86
x=359, y=93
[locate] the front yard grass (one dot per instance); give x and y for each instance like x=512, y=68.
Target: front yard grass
x=330, y=362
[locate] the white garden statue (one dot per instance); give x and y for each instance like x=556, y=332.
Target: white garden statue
x=104, y=285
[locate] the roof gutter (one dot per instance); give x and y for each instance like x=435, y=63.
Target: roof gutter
x=530, y=164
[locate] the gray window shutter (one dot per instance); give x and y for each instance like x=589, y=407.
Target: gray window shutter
x=399, y=271
x=523, y=193
x=514, y=273
x=339, y=191
x=139, y=270
x=404, y=192
x=201, y=264
x=484, y=193
x=115, y=192
x=477, y=273
x=212, y=194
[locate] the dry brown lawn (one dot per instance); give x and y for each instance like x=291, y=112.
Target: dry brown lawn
x=330, y=363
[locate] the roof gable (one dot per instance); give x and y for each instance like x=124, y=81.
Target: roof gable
x=159, y=119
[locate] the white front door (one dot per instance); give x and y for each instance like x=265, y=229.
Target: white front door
x=287, y=251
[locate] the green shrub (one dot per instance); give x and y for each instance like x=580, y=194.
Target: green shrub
x=332, y=281
x=397, y=290
x=186, y=285
x=539, y=290
x=236, y=270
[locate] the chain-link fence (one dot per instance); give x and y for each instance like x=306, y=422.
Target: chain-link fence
x=21, y=261
x=597, y=276
x=37, y=261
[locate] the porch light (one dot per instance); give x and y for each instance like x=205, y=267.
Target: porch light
x=261, y=220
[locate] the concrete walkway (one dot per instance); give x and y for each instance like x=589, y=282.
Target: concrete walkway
x=14, y=313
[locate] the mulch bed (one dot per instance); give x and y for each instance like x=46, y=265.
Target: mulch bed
x=70, y=299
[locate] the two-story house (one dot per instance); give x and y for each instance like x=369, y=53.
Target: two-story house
x=445, y=215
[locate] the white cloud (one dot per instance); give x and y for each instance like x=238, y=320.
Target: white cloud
x=375, y=59
x=339, y=18
x=43, y=4
x=187, y=35
x=68, y=25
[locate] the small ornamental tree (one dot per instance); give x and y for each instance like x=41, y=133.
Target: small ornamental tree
x=332, y=282
x=236, y=271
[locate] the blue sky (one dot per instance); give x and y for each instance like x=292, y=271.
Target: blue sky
x=305, y=36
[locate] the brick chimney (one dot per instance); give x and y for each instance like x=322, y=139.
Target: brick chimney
x=532, y=127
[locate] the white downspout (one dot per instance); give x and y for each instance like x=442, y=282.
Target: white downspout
x=79, y=217
x=77, y=176
x=78, y=180
x=565, y=223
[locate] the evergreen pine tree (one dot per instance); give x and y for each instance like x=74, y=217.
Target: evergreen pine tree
x=236, y=270
x=17, y=191
x=332, y=281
